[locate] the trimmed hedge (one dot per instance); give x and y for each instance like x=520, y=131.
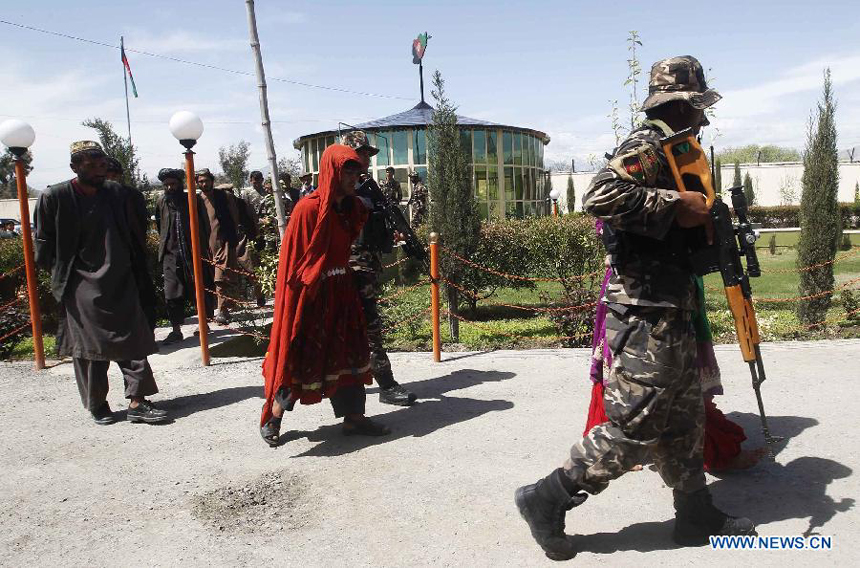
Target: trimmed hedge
x=784, y=216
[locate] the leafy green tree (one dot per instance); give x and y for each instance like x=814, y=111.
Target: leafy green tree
x=118, y=147
x=571, y=195
x=8, y=182
x=453, y=211
x=234, y=162
x=819, y=209
x=737, y=180
x=749, y=192
x=754, y=153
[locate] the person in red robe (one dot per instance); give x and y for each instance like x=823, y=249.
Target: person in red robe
x=318, y=346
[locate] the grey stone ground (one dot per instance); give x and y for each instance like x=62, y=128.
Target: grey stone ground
x=205, y=490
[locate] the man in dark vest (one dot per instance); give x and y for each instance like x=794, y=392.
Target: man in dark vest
x=99, y=278
x=174, y=247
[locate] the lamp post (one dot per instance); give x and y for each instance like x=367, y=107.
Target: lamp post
x=18, y=136
x=187, y=128
x=554, y=194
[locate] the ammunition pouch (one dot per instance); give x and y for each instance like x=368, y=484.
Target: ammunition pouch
x=624, y=248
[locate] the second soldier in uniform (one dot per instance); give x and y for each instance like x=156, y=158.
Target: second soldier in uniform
x=366, y=261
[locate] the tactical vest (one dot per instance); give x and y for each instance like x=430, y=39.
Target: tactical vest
x=674, y=249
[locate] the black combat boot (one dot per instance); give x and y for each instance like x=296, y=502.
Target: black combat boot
x=543, y=505
x=696, y=519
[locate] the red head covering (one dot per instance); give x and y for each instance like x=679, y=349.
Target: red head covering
x=302, y=262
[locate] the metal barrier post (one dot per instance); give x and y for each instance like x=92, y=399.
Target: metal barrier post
x=434, y=295
x=29, y=261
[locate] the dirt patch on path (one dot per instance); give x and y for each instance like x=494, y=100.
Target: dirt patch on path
x=268, y=503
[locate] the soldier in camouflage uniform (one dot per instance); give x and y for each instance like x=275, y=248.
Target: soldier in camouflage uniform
x=366, y=263
x=391, y=187
x=653, y=397
x=418, y=200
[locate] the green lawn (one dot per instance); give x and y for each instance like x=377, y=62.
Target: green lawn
x=497, y=326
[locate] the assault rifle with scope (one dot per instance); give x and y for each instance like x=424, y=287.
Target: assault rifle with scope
x=731, y=244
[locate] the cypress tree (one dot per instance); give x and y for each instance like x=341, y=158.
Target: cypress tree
x=454, y=213
x=857, y=193
x=749, y=192
x=819, y=209
x=571, y=195
x=737, y=179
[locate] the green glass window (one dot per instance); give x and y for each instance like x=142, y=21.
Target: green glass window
x=509, y=184
x=329, y=141
x=532, y=151
x=480, y=182
x=495, y=210
x=508, y=141
x=383, y=142
x=518, y=148
x=482, y=210
x=479, y=146
x=314, y=154
x=518, y=183
x=305, y=149
x=419, y=147
x=510, y=209
x=493, y=183
x=519, y=210
x=528, y=192
x=540, y=153
x=400, y=147
x=466, y=144
x=492, y=153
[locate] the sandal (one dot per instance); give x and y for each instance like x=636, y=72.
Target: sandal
x=364, y=427
x=271, y=431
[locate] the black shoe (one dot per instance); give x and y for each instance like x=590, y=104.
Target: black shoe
x=261, y=301
x=364, y=427
x=696, y=519
x=543, y=505
x=173, y=337
x=146, y=412
x=397, y=395
x=103, y=415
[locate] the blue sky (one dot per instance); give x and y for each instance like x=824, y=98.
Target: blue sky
x=553, y=66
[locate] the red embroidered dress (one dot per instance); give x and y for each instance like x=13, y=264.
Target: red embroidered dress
x=319, y=337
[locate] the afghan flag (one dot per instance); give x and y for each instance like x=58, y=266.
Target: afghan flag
x=419, y=44
x=128, y=69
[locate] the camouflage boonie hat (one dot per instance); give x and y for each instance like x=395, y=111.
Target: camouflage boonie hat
x=357, y=140
x=679, y=78
x=204, y=172
x=165, y=173
x=85, y=146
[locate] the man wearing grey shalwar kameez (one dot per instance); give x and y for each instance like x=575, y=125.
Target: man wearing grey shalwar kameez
x=98, y=276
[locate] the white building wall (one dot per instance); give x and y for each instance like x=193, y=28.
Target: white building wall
x=774, y=184
x=9, y=208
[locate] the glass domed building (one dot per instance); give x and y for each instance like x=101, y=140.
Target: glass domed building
x=507, y=161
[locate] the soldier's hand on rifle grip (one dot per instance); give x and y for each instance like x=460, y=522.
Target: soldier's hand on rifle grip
x=692, y=211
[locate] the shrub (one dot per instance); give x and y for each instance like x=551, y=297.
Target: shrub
x=851, y=304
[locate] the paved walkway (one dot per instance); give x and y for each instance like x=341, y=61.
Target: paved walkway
x=205, y=490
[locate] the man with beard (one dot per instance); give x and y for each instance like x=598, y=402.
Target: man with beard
x=174, y=248
x=224, y=225
x=83, y=237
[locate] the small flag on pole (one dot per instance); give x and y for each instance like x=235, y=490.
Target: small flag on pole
x=128, y=69
x=419, y=44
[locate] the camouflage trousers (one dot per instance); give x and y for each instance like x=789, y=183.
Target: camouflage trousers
x=653, y=400
x=368, y=290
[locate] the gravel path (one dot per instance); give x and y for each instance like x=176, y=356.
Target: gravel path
x=205, y=490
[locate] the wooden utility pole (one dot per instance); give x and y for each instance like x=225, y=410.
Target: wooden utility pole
x=264, y=115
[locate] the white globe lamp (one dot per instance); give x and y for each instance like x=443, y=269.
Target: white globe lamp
x=186, y=127
x=554, y=194
x=17, y=135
